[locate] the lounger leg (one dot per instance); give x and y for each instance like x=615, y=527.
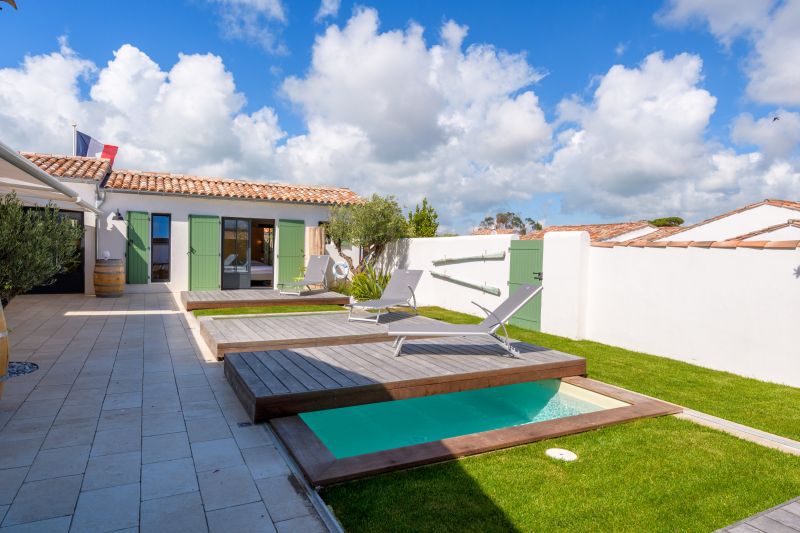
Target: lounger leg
x=398, y=346
x=512, y=352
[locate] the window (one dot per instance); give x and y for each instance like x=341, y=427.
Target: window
x=235, y=245
x=160, y=234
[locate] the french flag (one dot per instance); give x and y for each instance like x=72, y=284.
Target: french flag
x=90, y=147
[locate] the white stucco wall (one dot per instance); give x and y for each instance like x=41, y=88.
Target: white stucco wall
x=737, y=224
x=419, y=254
x=728, y=309
x=566, y=257
x=112, y=234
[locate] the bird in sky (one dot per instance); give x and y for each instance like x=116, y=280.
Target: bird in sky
x=775, y=118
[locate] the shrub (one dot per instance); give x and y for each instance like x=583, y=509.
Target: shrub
x=35, y=246
x=369, y=283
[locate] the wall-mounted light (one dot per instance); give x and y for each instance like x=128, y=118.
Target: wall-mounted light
x=117, y=216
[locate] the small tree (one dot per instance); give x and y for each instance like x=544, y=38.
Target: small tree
x=670, y=222
x=510, y=220
x=424, y=220
x=371, y=225
x=35, y=245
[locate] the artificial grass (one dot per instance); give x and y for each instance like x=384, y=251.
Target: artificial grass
x=266, y=310
x=766, y=406
x=660, y=474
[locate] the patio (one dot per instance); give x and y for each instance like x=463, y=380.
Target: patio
x=125, y=425
x=256, y=297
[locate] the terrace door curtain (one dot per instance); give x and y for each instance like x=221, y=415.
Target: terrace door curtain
x=315, y=242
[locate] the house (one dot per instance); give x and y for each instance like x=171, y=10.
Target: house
x=178, y=232
x=618, y=231
x=766, y=220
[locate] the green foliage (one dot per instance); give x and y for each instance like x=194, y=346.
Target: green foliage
x=369, y=283
x=510, y=220
x=35, y=246
x=667, y=222
x=424, y=220
x=371, y=225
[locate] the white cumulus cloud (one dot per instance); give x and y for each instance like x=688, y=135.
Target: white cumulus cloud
x=328, y=8
x=255, y=21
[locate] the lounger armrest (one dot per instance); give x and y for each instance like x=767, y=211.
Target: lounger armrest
x=491, y=313
x=413, y=296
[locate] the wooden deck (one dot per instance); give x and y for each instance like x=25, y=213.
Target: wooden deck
x=256, y=297
x=228, y=334
x=286, y=382
x=321, y=468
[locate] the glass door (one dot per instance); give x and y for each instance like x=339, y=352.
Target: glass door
x=235, y=253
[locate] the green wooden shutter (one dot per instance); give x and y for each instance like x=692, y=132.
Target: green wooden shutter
x=204, y=250
x=291, y=249
x=138, y=246
x=526, y=267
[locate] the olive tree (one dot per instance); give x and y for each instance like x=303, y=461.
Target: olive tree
x=35, y=246
x=371, y=225
x=424, y=220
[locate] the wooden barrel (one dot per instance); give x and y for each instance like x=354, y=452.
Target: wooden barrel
x=109, y=278
x=3, y=351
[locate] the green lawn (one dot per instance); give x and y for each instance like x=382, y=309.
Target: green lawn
x=762, y=405
x=660, y=474
x=266, y=310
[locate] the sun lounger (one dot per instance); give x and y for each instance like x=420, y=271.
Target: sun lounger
x=494, y=320
x=399, y=292
x=316, y=274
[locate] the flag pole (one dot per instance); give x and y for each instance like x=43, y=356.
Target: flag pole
x=74, y=139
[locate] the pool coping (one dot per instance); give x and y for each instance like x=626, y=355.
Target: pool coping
x=321, y=468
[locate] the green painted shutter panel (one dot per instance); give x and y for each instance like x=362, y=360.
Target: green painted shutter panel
x=204, y=250
x=138, y=246
x=291, y=249
x=526, y=267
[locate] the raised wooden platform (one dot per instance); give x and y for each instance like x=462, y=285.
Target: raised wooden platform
x=286, y=382
x=228, y=334
x=256, y=297
x=321, y=468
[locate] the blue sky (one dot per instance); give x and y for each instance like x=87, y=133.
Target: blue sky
x=573, y=44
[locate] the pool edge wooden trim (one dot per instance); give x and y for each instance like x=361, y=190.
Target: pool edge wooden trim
x=264, y=408
x=270, y=300
x=321, y=468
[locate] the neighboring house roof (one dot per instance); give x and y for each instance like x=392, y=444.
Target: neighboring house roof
x=660, y=233
x=788, y=204
x=70, y=167
x=787, y=224
x=179, y=184
x=597, y=232
x=489, y=231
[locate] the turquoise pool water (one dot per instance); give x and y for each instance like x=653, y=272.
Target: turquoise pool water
x=349, y=431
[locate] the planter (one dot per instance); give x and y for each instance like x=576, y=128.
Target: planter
x=109, y=278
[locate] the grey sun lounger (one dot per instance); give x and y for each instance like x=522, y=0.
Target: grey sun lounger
x=316, y=274
x=399, y=292
x=494, y=320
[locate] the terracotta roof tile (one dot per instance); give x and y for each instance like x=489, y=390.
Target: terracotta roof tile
x=597, y=232
x=70, y=167
x=157, y=182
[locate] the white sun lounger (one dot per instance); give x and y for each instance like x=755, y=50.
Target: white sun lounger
x=316, y=274
x=494, y=320
x=399, y=292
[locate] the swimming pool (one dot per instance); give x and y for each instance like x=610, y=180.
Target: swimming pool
x=369, y=428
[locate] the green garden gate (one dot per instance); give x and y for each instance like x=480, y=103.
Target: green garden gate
x=526, y=267
x=138, y=247
x=291, y=249
x=204, y=252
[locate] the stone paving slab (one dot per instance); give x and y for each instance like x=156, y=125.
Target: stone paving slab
x=126, y=427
